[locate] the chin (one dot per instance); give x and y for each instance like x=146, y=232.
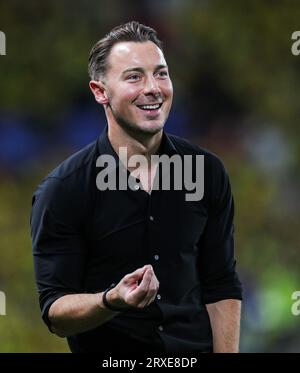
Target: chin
x=151, y=128
x=145, y=127
x=152, y=124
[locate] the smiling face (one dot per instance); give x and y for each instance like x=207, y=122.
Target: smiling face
x=137, y=87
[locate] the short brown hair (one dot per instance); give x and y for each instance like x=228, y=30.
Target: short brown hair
x=131, y=31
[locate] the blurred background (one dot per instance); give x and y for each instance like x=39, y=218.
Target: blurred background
x=237, y=93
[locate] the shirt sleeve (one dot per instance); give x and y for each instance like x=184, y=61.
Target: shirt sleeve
x=58, y=246
x=218, y=276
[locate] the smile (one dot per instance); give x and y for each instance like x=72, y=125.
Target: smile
x=150, y=107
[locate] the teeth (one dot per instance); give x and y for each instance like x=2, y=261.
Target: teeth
x=149, y=107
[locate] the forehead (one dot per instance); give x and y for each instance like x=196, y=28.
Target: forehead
x=125, y=55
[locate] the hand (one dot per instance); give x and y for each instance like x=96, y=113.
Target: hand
x=137, y=289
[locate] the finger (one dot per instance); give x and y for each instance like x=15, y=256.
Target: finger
x=137, y=274
x=151, y=293
x=141, y=291
x=154, y=286
x=144, y=285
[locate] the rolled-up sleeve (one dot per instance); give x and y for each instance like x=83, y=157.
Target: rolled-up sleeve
x=58, y=246
x=219, y=279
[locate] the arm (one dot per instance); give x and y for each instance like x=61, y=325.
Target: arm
x=77, y=313
x=221, y=288
x=60, y=256
x=225, y=323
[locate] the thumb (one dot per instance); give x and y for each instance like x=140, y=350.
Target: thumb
x=139, y=273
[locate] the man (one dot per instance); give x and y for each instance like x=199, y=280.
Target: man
x=142, y=268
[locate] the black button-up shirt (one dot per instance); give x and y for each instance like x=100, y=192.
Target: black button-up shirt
x=85, y=239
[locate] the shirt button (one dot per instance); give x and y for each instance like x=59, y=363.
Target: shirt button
x=158, y=296
x=160, y=328
x=136, y=187
x=156, y=257
x=151, y=217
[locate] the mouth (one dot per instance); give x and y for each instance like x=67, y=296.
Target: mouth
x=150, y=107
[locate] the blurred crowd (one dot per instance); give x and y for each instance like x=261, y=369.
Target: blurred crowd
x=237, y=91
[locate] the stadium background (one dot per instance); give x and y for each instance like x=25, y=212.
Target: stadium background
x=236, y=93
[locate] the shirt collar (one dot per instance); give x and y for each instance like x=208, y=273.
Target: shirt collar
x=104, y=146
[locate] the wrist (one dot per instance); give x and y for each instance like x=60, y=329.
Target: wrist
x=109, y=299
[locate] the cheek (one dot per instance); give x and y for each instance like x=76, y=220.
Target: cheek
x=129, y=93
x=122, y=96
x=167, y=89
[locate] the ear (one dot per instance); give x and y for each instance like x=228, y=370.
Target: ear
x=99, y=91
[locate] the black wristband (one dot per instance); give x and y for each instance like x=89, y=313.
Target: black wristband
x=105, y=301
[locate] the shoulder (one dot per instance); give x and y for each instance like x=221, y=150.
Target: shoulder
x=70, y=177
x=185, y=147
x=216, y=179
x=76, y=163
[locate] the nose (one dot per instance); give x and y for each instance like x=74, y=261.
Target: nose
x=151, y=86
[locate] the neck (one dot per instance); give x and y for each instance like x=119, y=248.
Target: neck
x=142, y=144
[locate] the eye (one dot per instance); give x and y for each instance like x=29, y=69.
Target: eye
x=133, y=77
x=162, y=74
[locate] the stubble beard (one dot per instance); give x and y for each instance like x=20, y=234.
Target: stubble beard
x=134, y=129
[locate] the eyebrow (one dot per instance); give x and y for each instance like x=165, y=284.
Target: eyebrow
x=140, y=69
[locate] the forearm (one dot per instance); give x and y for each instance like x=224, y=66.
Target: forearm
x=225, y=323
x=77, y=313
